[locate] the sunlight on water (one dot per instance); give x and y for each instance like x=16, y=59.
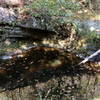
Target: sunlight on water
x=6, y=57
x=97, y=98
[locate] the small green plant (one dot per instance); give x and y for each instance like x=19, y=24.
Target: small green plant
x=54, y=8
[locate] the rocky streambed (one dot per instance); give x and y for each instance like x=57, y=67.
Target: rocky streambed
x=47, y=69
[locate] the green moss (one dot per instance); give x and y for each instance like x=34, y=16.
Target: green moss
x=57, y=8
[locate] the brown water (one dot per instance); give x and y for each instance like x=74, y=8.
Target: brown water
x=45, y=73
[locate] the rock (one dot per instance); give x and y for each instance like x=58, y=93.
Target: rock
x=31, y=23
x=36, y=23
x=7, y=15
x=12, y=2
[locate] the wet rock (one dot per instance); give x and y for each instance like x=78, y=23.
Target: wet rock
x=31, y=23
x=1, y=89
x=36, y=23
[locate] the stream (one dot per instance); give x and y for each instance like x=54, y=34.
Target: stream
x=39, y=69
x=92, y=25
x=49, y=72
